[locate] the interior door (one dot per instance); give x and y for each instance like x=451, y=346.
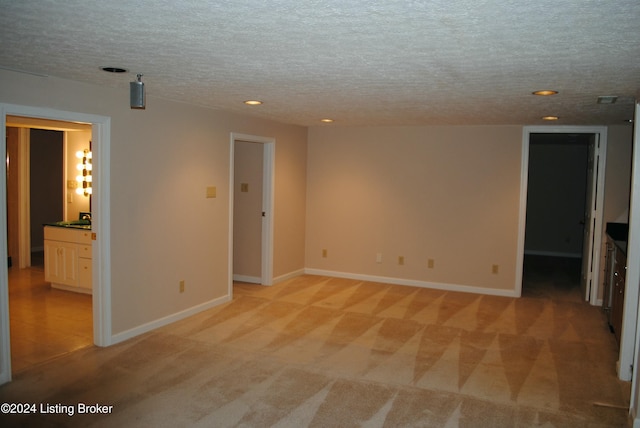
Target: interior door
x=248, y=211
x=589, y=217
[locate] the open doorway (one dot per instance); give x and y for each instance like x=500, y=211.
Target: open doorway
x=45, y=322
x=251, y=190
x=556, y=201
x=561, y=207
x=99, y=237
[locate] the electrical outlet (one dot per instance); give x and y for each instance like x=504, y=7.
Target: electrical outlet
x=401, y=260
x=494, y=269
x=182, y=286
x=430, y=263
x=324, y=253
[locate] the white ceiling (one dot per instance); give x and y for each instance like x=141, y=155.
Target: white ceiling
x=360, y=62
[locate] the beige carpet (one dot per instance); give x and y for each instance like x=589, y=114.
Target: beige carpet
x=325, y=352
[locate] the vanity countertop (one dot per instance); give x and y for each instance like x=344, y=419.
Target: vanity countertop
x=75, y=224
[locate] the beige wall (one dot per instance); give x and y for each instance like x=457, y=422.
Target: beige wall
x=450, y=194
x=617, y=185
x=618, y=175
x=162, y=159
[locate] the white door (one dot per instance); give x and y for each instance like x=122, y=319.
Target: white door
x=591, y=199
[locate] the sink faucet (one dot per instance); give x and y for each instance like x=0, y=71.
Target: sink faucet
x=85, y=216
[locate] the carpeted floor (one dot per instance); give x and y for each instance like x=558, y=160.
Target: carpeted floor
x=326, y=352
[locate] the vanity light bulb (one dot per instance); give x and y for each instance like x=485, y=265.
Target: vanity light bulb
x=88, y=178
x=79, y=154
x=79, y=191
x=79, y=167
x=79, y=178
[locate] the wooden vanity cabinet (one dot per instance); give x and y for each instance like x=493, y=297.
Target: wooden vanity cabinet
x=67, y=258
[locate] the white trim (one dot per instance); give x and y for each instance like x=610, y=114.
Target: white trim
x=413, y=283
x=100, y=226
x=600, y=170
x=287, y=276
x=161, y=322
x=553, y=254
x=268, y=187
x=5, y=342
x=249, y=279
x=630, y=322
x=257, y=280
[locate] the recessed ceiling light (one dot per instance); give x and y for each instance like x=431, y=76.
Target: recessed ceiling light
x=253, y=102
x=545, y=92
x=607, y=99
x=326, y=120
x=114, y=69
x=550, y=118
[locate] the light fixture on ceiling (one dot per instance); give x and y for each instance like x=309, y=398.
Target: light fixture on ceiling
x=545, y=92
x=136, y=93
x=607, y=99
x=550, y=118
x=253, y=102
x=327, y=120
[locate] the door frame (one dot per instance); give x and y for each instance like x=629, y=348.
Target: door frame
x=599, y=171
x=101, y=225
x=268, y=185
x=629, y=343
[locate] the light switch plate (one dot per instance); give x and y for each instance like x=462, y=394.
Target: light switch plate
x=244, y=187
x=211, y=191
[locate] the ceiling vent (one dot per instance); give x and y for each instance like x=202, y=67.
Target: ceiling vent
x=607, y=99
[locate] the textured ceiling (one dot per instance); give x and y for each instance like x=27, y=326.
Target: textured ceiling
x=360, y=62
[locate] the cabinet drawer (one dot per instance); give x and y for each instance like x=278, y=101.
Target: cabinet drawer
x=84, y=251
x=84, y=273
x=78, y=236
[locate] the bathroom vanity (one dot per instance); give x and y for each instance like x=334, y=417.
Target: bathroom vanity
x=67, y=256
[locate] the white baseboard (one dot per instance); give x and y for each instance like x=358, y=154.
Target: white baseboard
x=289, y=275
x=144, y=328
x=258, y=280
x=414, y=283
x=246, y=278
x=552, y=254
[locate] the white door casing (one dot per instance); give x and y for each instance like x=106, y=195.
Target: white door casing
x=597, y=215
x=590, y=216
x=101, y=138
x=268, y=183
